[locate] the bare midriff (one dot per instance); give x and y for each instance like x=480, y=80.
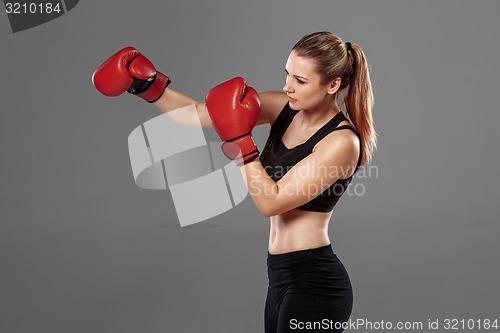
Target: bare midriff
x=297, y=230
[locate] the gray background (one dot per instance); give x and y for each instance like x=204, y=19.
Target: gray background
x=83, y=249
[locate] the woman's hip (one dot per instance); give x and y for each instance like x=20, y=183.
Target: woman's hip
x=315, y=271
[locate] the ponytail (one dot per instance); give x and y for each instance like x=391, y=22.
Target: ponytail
x=358, y=100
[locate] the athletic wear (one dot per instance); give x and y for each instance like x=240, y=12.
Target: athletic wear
x=277, y=159
x=307, y=286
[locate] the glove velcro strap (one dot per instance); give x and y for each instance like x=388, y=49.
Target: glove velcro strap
x=241, y=149
x=247, y=158
x=153, y=89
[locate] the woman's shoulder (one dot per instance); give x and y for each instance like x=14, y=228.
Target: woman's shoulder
x=342, y=143
x=272, y=104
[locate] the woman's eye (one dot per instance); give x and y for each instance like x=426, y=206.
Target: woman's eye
x=300, y=81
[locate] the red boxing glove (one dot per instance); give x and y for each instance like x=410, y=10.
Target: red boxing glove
x=128, y=70
x=234, y=109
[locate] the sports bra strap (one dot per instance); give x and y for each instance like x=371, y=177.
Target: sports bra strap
x=281, y=121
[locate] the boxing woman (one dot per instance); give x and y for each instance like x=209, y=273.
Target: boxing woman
x=310, y=157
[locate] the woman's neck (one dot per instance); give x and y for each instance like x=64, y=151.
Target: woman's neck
x=318, y=116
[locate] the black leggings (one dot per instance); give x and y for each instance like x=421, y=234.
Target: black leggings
x=309, y=291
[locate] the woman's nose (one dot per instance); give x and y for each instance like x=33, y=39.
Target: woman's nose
x=287, y=88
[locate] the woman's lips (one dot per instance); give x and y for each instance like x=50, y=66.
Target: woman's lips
x=291, y=99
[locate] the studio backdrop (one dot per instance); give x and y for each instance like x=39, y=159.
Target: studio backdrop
x=95, y=236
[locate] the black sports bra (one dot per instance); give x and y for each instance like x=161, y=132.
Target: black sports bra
x=277, y=159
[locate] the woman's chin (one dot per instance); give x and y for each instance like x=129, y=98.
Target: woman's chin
x=294, y=105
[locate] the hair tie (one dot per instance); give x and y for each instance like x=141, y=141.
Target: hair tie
x=349, y=46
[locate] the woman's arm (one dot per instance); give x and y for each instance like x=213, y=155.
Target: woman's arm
x=193, y=113
x=129, y=70
x=234, y=107
x=272, y=103
x=197, y=115
x=334, y=157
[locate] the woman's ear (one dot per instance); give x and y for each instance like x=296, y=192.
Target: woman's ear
x=334, y=86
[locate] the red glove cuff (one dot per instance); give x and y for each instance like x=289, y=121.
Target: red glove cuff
x=242, y=149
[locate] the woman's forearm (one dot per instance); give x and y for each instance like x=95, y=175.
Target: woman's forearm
x=171, y=100
x=183, y=109
x=261, y=187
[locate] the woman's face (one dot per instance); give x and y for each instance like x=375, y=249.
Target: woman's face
x=303, y=84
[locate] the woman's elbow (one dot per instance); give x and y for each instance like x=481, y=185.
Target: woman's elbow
x=266, y=210
x=267, y=213
x=270, y=205
x=270, y=210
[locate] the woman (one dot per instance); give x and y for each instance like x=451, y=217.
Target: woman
x=310, y=158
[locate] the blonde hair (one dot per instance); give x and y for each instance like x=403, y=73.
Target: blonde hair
x=335, y=59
